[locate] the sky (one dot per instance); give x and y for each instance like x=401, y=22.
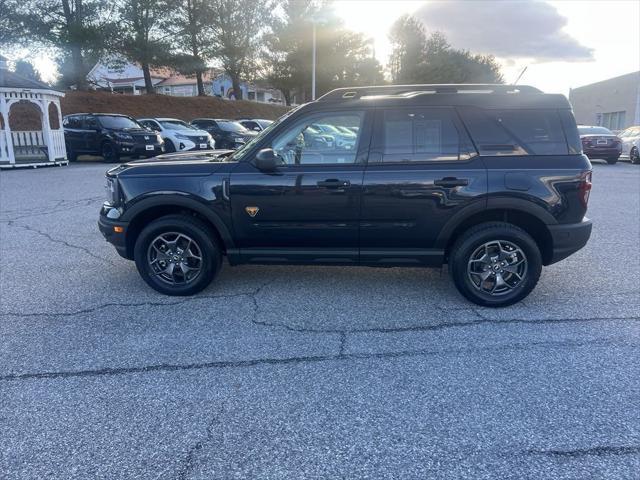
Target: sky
x=564, y=44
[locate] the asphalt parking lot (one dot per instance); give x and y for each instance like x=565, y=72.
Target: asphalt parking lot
x=309, y=372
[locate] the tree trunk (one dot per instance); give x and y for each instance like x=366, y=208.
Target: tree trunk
x=148, y=84
x=287, y=96
x=77, y=61
x=235, y=81
x=201, y=92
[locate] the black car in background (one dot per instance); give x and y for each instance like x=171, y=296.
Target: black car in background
x=228, y=134
x=110, y=135
x=489, y=179
x=255, y=124
x=600, y=142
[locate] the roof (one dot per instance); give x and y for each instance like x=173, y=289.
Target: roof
x=9, y=79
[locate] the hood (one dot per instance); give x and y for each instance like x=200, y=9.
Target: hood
x=190, y=163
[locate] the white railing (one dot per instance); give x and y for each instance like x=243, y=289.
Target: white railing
x=59, y=149
x=28, y=139
x=4, y=155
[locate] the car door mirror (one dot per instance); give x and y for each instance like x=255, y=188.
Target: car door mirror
x=266, y=160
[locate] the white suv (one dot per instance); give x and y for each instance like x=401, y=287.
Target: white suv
x=631, y=144
x=179, y=136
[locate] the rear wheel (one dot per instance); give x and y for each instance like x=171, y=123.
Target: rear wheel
x=109, y=153
x=612, y=160
x=495, y=264
x=177, y=255
x=634, y=156
x=72, y=156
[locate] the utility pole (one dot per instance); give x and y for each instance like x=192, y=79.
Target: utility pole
x=313, y=64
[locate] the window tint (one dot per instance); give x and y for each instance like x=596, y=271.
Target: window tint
x=516, y=132
x=73, y=122
x=594, y=131
x=304, y=143
x=422, y=134
x=90, y=123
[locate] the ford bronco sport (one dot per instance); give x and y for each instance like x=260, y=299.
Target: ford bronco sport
x=489, y=179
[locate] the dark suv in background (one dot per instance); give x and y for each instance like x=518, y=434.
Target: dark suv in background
x=226, y=133
x=600, y=142
x=490, y=179
x=110, y=135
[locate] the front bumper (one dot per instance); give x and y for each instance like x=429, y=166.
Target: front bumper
x=568, y=239
x=114, y=231
x=139, y=149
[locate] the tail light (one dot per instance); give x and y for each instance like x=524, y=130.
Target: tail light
x=585, y=188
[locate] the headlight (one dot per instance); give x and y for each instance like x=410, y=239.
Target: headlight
x=181, y=137
x=123, y=136
x=159, y=138
x=111, y=189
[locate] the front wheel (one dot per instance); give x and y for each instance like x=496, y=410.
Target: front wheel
x=109, y=153
x=169, y=147
x=634, y=156
x=495, y=264
x=177, y=255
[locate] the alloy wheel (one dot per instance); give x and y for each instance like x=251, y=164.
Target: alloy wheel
x=497, y=267
x=175, y=258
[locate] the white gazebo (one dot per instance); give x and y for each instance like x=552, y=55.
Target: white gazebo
x=29, y=147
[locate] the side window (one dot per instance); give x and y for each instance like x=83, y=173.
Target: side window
x=320, y=140
x=516, y=132
x=73, y=122
x=422, y=134
x=90, y=123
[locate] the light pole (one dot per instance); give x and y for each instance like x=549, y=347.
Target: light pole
x=313, y=63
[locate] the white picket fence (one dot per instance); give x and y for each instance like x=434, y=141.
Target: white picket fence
x=35, y=139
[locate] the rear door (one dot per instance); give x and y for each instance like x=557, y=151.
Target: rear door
x=422, y=171
x=91, y=134
x=307, y=210
x=73, y=133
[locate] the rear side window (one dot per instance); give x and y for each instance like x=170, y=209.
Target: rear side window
x=516, y=132
x=422, y=134
x=73, y=122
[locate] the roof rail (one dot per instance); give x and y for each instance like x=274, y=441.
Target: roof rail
x=340, y=94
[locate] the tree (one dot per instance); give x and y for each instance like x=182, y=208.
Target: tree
x=237, y=33
x=75, y=29
x=25, y=69
x=9, y=24
x=417, y=58
x=191, y=28
x=141, y=36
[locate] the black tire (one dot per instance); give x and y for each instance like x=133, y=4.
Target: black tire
x=634, y=156
x=473, y=240
x=72, y=156
x=195, y=230
x=612, y=160
x=109, y=153
x=169, y=147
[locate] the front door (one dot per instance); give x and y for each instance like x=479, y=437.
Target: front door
x=422, y=170
x=308, y=209
x=91, y=135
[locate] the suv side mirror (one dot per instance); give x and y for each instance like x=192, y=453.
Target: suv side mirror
x=266, y=160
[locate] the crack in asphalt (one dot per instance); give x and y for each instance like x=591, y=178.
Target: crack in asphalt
x=12, y=223
x=599, y=451
x=189, y=463
x=222, y=364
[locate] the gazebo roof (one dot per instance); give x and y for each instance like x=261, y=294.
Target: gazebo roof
x=9, y=79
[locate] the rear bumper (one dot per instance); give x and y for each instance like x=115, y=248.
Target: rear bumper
x=602, y=152
x=118, y=239
x=568, y=239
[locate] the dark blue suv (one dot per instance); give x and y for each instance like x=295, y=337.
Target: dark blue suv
x=489, y=179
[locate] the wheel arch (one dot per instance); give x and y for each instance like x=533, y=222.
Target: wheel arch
x=528, y=219
x=150, y=209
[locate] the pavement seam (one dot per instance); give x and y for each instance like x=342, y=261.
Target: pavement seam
x=308, y=359
x=598, y=451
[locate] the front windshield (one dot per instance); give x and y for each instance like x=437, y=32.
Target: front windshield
x=594, y=131
x=229, y=126
x=117, y=122
x=176, y=125
x=242, y=151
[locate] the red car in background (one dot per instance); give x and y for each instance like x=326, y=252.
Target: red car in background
x=600, y=142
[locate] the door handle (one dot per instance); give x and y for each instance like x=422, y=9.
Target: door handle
x=334, y=183
x=450, y=182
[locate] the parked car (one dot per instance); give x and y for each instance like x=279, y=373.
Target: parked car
x=226, y=133
x=491, y=181
x=110, y=135
x=631, y=144
x=342, y=137
x=178, y=135
x=255, y=124
x=600, y=142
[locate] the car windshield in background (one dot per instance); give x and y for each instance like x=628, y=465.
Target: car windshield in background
x=264, y=123
x=118, y=122
x=231, y=127
x=594, y=131
x=176, y=125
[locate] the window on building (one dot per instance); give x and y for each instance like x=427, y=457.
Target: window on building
x=614, y=120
